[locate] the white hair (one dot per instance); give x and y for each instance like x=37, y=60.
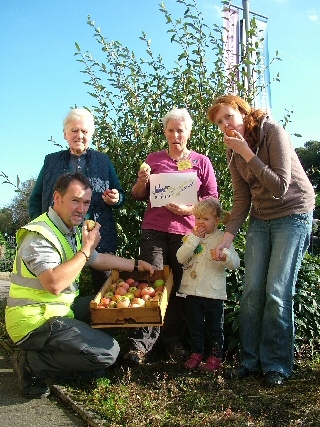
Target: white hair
x=178, y=114
x=79, y=114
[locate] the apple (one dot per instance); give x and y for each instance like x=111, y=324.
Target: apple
x=112, y=304
x=108, y=294
x=132, y=289
x=230, y=133
x=148, y=291
x=123, y=285
x=158, y=295
x=112, y=287
x=129, y=295
x=90, y=224
x=134, y=305
x=146, y=297
x=143, y=285
x=120, y=291
x=100, y=306
x=158, y=283
x=105, y=301
x=130, y=281
x=116, y=297
x=141, y=302
x=137, y=293
x=123, y=302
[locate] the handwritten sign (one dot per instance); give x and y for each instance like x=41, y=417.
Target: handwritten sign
x=179, y=188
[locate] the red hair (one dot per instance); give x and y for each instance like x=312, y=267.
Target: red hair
x=251, y=115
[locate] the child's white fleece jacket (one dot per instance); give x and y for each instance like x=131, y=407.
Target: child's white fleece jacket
x=208, y=278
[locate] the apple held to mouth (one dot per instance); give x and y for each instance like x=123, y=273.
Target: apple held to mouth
x=231, y=133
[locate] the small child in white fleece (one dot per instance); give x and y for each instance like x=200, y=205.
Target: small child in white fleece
x=204, y=284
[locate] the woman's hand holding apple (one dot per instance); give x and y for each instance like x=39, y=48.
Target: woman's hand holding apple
x=111, y=197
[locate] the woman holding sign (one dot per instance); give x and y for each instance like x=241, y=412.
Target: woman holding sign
x=172, y=181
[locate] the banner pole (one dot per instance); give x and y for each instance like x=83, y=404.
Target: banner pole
x=246, y=18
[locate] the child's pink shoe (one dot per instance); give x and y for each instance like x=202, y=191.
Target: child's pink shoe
x=194, y=361
x=212, y=364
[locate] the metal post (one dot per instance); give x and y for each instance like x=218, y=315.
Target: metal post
x=246, y=18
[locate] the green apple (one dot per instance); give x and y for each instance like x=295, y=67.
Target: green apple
x=158, y=283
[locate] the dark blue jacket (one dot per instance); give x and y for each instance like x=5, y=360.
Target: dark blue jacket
x=102, y=175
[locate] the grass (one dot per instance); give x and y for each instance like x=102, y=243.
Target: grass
x=162, y=393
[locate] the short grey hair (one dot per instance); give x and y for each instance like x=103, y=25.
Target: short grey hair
x=80, y=114
x=178, y=114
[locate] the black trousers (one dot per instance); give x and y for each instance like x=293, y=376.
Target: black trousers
x=64, y=345
x=160, y=248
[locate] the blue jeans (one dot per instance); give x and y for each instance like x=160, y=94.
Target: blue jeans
x=274, y=251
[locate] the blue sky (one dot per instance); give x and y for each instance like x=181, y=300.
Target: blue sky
x=40, y=78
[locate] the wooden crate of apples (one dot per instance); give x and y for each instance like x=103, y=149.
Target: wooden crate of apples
x=131, y=299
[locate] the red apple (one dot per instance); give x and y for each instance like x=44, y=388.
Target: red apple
x=143, y=285
x=124, y=285
x=105, y=301
x=120, y=291
x=231, y=133
x=137, y=293
x=130, y=281
x=148, y=291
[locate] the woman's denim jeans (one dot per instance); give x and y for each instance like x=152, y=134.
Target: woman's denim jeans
x=274, y=251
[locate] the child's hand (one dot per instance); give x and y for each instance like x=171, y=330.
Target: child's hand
x=199, y=231
x=215, y=257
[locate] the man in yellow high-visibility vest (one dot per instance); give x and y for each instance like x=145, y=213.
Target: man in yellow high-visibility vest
x=45, y=316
